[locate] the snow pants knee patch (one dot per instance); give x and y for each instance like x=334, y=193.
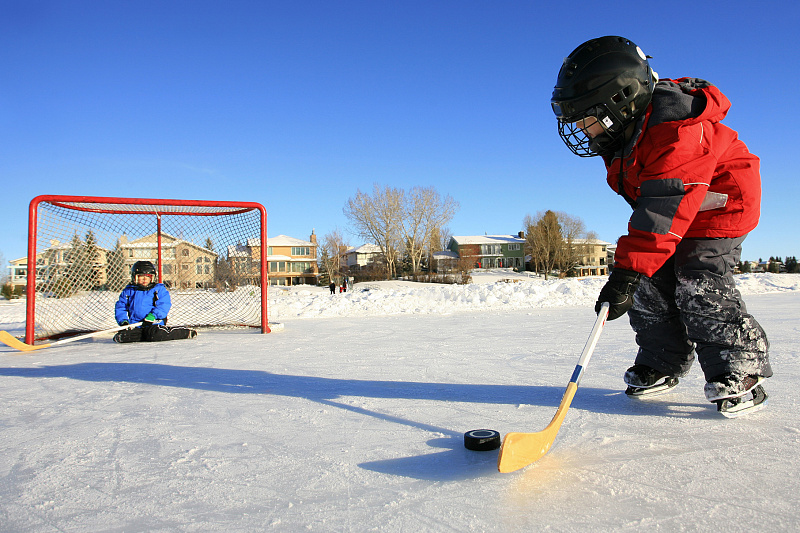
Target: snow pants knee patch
x=664, y=343
x=159, y=332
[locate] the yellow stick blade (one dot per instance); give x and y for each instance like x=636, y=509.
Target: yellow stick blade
x=521, y=449
x=10, y=340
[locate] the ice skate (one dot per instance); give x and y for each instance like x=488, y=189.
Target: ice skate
x=645, y=382
x=736, y=395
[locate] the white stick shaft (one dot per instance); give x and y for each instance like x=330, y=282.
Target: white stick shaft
x=94, y=334
x=588, y=350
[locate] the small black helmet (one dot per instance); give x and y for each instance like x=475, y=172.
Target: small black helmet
x=143, y=267
x=608, y=78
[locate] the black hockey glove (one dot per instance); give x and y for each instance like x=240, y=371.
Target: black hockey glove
x=618, y=292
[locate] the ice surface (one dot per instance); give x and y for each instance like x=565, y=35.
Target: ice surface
x=352, y=417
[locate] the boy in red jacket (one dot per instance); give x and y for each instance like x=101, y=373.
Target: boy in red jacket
x=695, y=191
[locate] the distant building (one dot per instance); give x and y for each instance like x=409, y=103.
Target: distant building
x=444, y=262
x=361, y=256
x=592, y=257
x=611, y=250
x=57, y=259
x=185, y=265
x=18, y=272
x=490, y=251
x=292, y=261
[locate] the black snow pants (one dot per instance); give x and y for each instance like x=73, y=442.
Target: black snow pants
x=153, y=333
x=691, y=305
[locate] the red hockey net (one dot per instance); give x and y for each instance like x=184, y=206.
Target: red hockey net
x=210, y=255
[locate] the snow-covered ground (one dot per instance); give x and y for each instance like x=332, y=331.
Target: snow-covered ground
x=351, y=418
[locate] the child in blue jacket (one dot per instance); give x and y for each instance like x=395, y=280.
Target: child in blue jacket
x=144, y=300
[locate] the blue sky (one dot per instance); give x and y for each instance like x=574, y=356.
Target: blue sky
x=298, y=104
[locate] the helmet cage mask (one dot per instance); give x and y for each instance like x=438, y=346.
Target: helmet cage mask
x=584, y=145
x=145, y=268
x=607, y=78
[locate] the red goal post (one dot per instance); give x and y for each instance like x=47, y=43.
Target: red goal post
x=211, y=255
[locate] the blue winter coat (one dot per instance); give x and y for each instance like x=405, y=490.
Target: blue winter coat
x=136, y=302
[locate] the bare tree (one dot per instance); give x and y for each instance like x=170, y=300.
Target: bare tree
x=377, y=218
x=425, y=213
x=575, y=238
x=543, y=241
x=440, y=239
x=3, y=272
x=330, y=252
x=555, y=240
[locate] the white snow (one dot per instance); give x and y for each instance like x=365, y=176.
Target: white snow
x=351, y=418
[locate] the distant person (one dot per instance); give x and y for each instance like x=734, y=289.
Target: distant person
x=695, y=191
x=332, y=287
x=144, y=300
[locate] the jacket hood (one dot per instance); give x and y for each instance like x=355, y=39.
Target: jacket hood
x=687, y=99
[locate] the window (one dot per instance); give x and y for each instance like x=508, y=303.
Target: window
x=199, y=269
x=513, y=247
x=301, y=266
x=185, y=253
x=301, y=250
x=491, y=249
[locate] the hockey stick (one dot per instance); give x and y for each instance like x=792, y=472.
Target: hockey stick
x=9, y=340
x=521, y=449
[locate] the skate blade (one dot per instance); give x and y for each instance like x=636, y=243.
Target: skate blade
x=642, y=393
x=758, y=401
x=744, y=410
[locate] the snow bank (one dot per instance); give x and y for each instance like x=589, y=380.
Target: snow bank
x=493, y=290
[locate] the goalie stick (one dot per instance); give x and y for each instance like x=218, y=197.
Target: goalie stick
x=9, y=340
x=521, y=449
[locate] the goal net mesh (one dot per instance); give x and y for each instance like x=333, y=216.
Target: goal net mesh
x=208, y=256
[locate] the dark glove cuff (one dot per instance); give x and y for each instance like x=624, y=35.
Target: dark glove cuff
x=625, y=276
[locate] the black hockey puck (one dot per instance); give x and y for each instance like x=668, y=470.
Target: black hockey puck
x=482, y=440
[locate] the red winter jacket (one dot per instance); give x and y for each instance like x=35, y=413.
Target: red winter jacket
x=685, y=174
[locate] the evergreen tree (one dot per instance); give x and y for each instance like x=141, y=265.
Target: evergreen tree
x=324, y=263
x=91, y=259
x=117, y=276
x=73, y=276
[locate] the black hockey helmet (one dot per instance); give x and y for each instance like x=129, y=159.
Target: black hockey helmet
x=143, y=267
x=608, y=78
